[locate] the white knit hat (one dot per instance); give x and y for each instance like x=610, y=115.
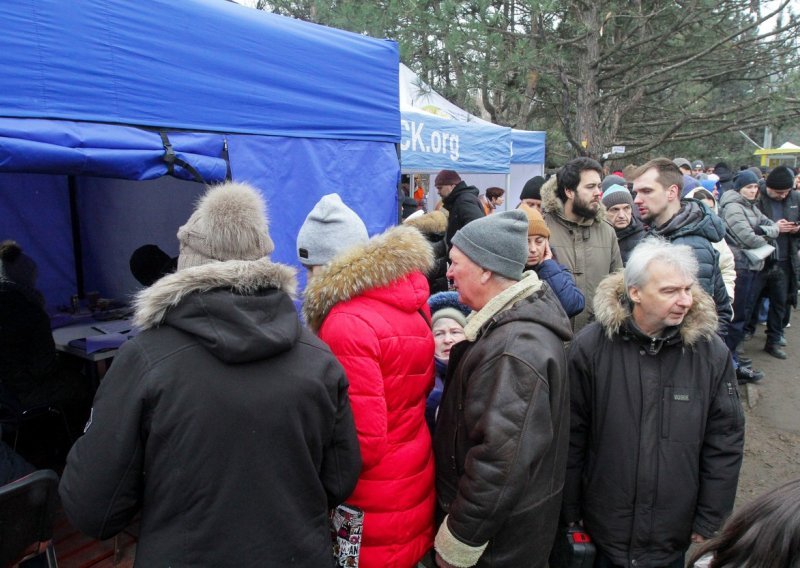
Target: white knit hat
x=329, y=229
x=229, y=223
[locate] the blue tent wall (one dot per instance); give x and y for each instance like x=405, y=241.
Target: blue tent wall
x=293, y=174
x=34, y=210
x=118, y=216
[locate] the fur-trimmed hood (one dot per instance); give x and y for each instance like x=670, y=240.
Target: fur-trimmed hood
x=238, y=310
x=239, y=276
x=612, y=310
x=387, y=257
x=553, y=205
x=434, y=222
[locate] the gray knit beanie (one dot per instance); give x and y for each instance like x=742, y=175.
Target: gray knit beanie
x=617, y=195
x=229, y=223
x=498, y=242
x=610, y=180
x=330, y=228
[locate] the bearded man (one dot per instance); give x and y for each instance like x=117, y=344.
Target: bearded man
x=584, y=242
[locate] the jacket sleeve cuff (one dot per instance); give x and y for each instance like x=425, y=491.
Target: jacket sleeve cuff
x=703, y=529
x=455, y=552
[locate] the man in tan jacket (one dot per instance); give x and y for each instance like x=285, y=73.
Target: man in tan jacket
x=580, y=237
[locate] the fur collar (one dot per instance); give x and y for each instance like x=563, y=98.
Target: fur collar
x=240, y=276
x=529, y=284
x=383, y=259
x=433, y=222
x=612, y=311
x=553, y=205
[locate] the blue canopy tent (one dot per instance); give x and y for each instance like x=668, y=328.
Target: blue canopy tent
x=109, y=106
x=438, y=135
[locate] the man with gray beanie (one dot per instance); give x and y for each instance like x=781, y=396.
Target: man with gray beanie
x=502, y=431
x=619, y=213
x=202, y=414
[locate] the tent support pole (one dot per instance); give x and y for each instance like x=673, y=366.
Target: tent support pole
x=76, y=234
x=508, y=189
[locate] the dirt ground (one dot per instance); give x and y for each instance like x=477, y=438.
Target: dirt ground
x=772, y=409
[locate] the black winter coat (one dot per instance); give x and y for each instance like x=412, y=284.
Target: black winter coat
x=791, y=209
x=697, y=226
x=501, y=435
x=629, y=237
x=27, y=350
x=463, y=205
x=657, y=431
x=225, y=421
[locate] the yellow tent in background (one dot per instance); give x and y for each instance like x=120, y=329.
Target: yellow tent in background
x=786, y=155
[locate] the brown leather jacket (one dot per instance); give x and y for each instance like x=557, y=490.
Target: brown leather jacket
x=502, y=433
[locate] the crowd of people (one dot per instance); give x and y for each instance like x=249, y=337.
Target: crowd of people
x=470, y=382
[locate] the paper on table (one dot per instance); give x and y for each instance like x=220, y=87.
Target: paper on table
x=114, y=326
x=105, y=341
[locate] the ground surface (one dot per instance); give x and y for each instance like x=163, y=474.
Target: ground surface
x=772, y=441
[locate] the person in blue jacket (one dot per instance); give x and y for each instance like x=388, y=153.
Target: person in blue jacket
x=542, y=260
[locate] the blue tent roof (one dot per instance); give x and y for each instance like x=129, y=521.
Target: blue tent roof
x=205, y=65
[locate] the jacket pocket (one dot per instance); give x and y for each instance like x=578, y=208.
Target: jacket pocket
x=682, y=415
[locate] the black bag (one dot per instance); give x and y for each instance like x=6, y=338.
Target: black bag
x=573, y=548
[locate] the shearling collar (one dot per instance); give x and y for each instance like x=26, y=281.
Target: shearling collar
x=612, y=311
x=553, y=205
x=432, y=222
x=240, y=276
x=530, y=284
x=383, y=259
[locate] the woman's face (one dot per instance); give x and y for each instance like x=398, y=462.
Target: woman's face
x=536, y=245
x=446, y=333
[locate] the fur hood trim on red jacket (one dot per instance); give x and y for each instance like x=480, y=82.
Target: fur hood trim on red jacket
x=383, y=259
x=240, y=276
x=612, y=310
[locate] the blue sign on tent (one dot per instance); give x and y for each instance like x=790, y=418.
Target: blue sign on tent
x=430, y=142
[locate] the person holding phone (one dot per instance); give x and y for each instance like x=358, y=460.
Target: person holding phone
x=781, y=203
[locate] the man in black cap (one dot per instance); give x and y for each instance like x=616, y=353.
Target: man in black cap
x=781, y=204
x=531, y=193
x=462, y=201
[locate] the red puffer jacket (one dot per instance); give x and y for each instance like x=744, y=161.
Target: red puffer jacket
x=368, y=306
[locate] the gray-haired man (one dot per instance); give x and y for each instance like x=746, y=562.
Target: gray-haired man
x=656, y=426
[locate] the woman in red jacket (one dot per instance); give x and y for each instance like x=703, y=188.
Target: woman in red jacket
x=369, y=304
